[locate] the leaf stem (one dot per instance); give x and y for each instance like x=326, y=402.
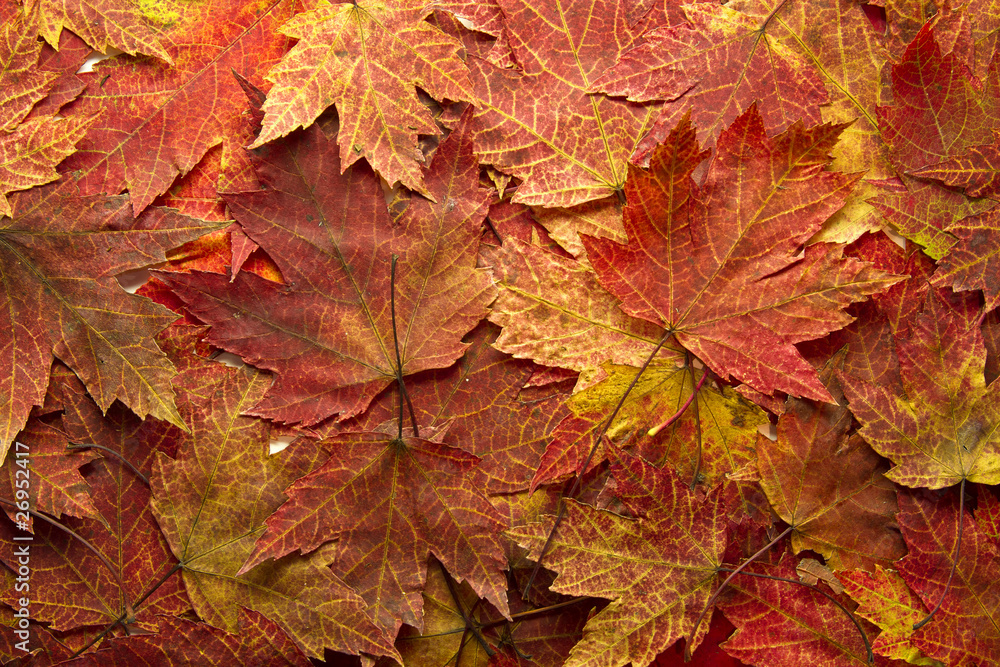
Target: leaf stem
x=403, y=395
x=118, y=456
x=857, y=624
x=586, y=462
x=715, y=595
x=954, y=561
x=677, y=415
x=697, y=416
x=469, y=625
x=82, y=540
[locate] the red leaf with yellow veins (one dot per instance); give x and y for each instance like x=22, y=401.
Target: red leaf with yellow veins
x=129, y=25
x=555, y=312
x=781, y=624
x=22, y=83
x=337, y=363
x=562, y=47
x=973, y=262
x=158, y=121
x=71, y=587
x=977, y=171
x=714, y=68
x=367, y=58
x=964, y=631
x=850, y=518
x=211, y=502
x=721, y=270
x=659, y=570
x=58, y=259
x=936, y=113
x=180, y=642
x=940, y=425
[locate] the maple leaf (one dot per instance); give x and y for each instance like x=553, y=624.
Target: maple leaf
x=392, y=502
x=939, y=425
x=211, y=502
x=713, y=68
x=476, y=404
x=779, y=623
x=521, y=117
x=310, y=210
x=720, y=271
x=158, y=120
x=973, y=262
x=728, y=427
x=123, y=25
x=847, y=519
x=555, y=312
x=58, y=257
x=936, y=113
x=72, y=586
x=964, y=630
x=975, y=171
x=258, y=641
x=659, y=571
x=366, y=58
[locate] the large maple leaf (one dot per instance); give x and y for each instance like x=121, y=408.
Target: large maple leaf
x=720, y=270
x=939, y=425
x=339, y=362
x=964, y=630
x=658, y=570
x=59, y=255
x=367, y=58
x=521, y=118
x=211, y=502
x=158, y=121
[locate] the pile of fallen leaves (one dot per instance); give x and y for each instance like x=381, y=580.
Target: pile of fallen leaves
x=500, y=332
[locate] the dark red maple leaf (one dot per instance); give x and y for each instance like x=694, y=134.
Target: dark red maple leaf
x=336, y=364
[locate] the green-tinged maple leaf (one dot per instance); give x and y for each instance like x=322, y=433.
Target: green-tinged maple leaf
x=728, y=427
x=543, y=124
x=180, y=642
x=923, y=212
x=829, y=487
x=337, y=362
x=659, y=570
x=977, y=171
x=211, y=501
x=939, y=426
x=59, y=255
x=721, y=270
x=71, y=587
x=158, y=120
x=964, y=630
x=715, y=67
x=366, y=58
x=936, y=114
x=392, y=502
x=555, y=312
x=476, y=404
x=781, y=624
x=129, y=25
x=544, y=635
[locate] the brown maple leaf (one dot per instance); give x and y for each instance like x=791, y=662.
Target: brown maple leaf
x=59, y=255
x=521, y=116
x=720, y=269
x=659, y=570
x=336, y=363
x=366, y=58
x=939, y=426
